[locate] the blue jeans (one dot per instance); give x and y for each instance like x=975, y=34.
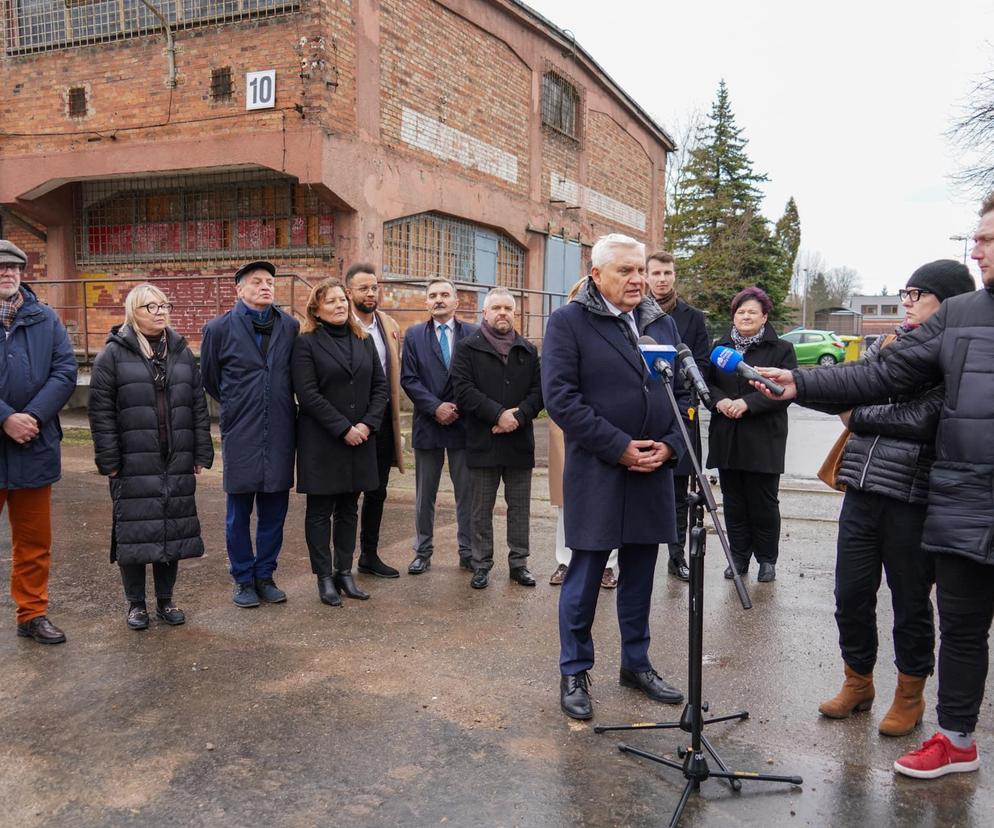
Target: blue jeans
x=272, y=506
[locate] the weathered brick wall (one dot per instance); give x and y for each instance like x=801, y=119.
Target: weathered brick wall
x=618, y=168
x=125, y=83
x=452, y=93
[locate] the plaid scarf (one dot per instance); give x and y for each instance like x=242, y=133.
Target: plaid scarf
x=9, y=309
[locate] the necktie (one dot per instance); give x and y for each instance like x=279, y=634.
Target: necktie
x=443, y=341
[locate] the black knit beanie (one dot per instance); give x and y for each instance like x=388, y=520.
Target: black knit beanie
x=944, y=278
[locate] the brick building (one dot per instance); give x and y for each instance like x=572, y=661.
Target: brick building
x=171, y=140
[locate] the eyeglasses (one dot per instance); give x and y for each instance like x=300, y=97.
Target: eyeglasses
x=367, y=289
x=914, y=294
x=9, y=267
x=154, y=307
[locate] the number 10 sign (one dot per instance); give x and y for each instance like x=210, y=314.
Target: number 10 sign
x=260, y=89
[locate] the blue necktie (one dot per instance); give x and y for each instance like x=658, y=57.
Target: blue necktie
x=443, y=341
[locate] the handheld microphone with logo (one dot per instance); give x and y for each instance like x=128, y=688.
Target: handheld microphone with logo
x=657, y=358
x=730, y=361
x=690, y=370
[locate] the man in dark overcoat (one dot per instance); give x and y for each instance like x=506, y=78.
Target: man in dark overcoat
x=498, y=384
x=621, y=444
x=437, y=430
x=37, y=377
x=245, y=360
x=660, y=273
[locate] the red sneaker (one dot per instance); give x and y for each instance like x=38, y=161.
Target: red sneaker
x=937, y=757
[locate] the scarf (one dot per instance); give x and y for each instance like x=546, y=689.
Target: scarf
x=743, y=343
x=668, y=302
x=262, y=326
x=502, y=343
x=9, y=309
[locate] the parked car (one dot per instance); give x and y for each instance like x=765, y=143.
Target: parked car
x=816, y=347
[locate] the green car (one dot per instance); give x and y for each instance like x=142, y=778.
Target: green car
x=816, y=347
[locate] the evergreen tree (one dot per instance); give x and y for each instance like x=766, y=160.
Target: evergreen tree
x=787, y=238
x=721, y=240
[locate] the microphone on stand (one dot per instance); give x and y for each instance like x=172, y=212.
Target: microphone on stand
x=658, y=358
x=688, y=367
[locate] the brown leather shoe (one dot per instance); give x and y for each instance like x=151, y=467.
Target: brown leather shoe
x=856, y=695
x=558, y=575
x=608, y=581
x=41, y=630
x=908, y=707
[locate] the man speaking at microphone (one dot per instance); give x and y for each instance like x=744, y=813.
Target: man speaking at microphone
x=622, y=441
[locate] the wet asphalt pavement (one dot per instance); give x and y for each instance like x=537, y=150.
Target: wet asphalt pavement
x=436, y=704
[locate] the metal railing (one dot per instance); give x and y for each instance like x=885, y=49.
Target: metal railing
x=90, y=306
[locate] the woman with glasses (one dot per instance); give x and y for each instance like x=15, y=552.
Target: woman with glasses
x=885, y=468
x=151, y=435
x=342, y=393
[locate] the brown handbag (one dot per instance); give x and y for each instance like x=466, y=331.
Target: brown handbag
x=829, y=471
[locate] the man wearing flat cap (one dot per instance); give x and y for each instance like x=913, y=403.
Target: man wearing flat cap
x=37, y=378
x=245, y=361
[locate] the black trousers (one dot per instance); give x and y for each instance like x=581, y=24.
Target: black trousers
x=752, y=515
x=163, y=576
x=681, y=485
x=327, y=517
x=965, y=594
x=880, y=533
x=372, y=501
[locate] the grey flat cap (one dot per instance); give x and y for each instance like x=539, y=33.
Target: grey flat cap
x=10, y=253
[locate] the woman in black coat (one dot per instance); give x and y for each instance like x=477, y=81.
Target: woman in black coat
x=151, y=435
x=747, y=437
x=342, y=394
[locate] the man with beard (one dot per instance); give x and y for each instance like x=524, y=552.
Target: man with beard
x=437, y=430
x=37, y=378
x=660, y=273
x=364, y=293
x=498, y=387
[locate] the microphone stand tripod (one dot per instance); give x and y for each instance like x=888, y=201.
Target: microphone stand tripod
x=695, y=766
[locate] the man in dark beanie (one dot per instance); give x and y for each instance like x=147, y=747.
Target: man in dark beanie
x=38, y=377
x=954, y=345
x=245, y=361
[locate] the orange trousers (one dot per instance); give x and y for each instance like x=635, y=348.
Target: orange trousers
x=30, y=515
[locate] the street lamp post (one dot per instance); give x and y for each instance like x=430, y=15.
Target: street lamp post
x=965, y=240
x=804, y=302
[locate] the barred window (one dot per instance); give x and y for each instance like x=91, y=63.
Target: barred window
x=560, y=105
x=40, y=25
x=203, y=216
x=428, y=245
x=222, y=87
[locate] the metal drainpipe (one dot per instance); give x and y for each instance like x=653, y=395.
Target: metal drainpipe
x=170, y=44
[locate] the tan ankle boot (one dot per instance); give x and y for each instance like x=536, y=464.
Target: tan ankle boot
x=856, y=694
x=908, y=707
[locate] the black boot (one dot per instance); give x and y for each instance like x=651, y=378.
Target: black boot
x=347, y=586
x=326, y=590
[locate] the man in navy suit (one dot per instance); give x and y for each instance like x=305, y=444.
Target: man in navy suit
x=622, y=441
x=437, y=430
x=660, y=273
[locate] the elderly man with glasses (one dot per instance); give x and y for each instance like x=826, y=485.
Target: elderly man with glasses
x=38, y=377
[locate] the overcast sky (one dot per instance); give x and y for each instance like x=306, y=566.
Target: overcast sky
x=845, y=106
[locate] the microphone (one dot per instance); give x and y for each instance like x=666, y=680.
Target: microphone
x=657, y=358
x=730, y=361
x=690, y=370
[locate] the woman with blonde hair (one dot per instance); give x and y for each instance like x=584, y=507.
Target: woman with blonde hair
x=151, y=435
x=342, y=394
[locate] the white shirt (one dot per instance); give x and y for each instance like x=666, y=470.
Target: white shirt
x=376, y=332
x=628, y=316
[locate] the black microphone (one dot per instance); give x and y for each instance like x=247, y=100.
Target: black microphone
x=730, y=361
x=690, y=370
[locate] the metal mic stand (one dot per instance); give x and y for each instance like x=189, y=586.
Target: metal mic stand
x=695, y=766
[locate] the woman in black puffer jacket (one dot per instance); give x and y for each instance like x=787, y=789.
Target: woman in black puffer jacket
x=885, y=468
x=151, y=435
